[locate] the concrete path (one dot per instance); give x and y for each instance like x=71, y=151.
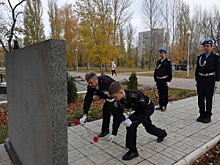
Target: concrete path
x=186, y=140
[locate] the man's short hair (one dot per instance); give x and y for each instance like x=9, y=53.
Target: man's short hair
x=90, y=75
x=115, y=87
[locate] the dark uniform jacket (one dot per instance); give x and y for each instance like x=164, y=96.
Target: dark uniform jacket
x=139, y=102
x=104, y=83
x=211, y=65
x=163, y=69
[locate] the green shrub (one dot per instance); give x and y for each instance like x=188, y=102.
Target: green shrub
x=71, y=91
x=132, y=83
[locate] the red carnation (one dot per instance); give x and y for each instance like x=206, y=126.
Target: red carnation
x=95, y=139
x=76, y=121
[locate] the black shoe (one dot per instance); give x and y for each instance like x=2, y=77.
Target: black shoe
x=160, y=139
x=199, y=119
x=206, y=119
x=158, y=108
x=163, y=108
x=130, y=155
x=102, y=134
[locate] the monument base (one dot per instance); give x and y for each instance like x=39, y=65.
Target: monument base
x=13, y=155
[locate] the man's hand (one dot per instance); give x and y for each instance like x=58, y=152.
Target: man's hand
x=168, y=84
x=110, y=100
x=155, y=83
x=83, y=119
x=127, y=122
x=111, y=137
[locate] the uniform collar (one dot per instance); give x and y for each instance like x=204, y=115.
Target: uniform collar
x=163, y=60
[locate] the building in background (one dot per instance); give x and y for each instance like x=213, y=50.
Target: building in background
x=160, y=39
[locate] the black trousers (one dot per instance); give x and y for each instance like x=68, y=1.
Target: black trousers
x=163, y=92
x=131, y=136
x=113, y=72
x=205, y=90
x=108, y=110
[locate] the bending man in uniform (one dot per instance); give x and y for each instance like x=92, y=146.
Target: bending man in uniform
x=143, y=108
x=99, y=85
x=207, y=76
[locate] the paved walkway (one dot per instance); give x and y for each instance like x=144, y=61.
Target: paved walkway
x=186, y=140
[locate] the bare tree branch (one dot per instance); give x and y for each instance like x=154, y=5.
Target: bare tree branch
x=3, y=46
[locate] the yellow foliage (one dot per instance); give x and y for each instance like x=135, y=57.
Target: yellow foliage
x=179, y=52
x=69, y=26
x=96, y=30
x=130, y=63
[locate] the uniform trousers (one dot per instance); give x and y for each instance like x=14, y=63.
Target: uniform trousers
x=108, y=110
x=131, y=136
x=205, y=90
x=163, y=92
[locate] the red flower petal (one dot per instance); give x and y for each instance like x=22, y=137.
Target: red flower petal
x=76, y=121
x=95, y=139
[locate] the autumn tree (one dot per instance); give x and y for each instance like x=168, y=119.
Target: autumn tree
x=69, y=28
x=183, y=24
x=121, y=58
x=179, y=52
x=54, y=20
x=100, y=24
x=96, y=30
x=33, y=23
x=8, y=27
x=151, y=11
x=196, y=35
x=130, y=47
x=121, y=15
x=212, y=26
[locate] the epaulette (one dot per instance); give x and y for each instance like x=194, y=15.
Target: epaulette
x=134, y=95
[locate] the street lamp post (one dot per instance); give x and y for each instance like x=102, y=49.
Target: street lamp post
x=76, y=61
x=188, y=33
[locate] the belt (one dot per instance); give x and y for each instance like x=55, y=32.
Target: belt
x=206, y=74
x=164, y=77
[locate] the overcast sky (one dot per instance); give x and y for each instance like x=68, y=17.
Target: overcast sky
x=136, y=7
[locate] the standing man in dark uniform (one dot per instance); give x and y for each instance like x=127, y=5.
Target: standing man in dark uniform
x=99, y=85
x=207, y=76
x=143, y=108
x=162, y=78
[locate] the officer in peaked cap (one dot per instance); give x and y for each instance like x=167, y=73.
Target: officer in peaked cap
x=162, y=78
x=99, y=85
x=206, y=78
